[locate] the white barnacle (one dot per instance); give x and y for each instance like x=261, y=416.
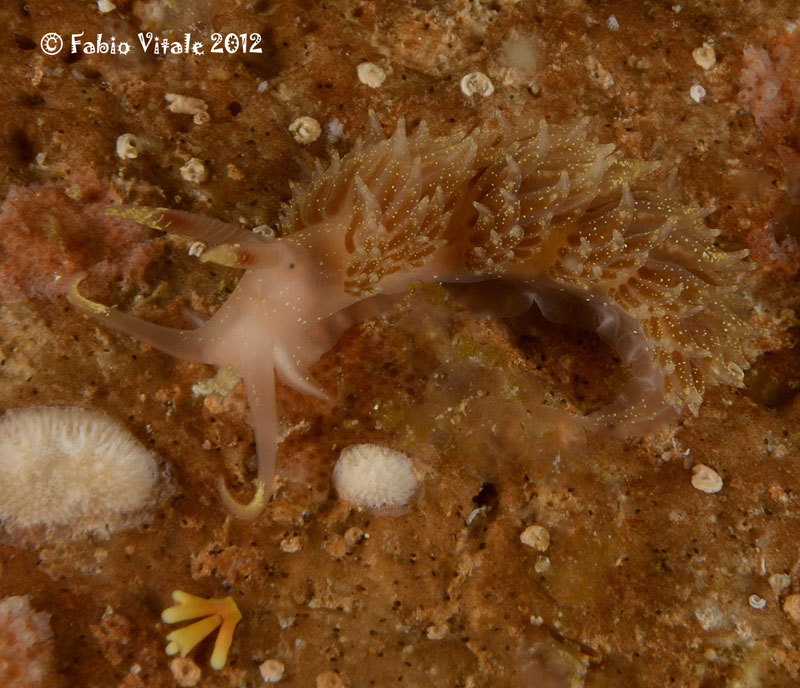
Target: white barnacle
x=271, y=670
x=370, y=74
x=127, y=147
x=305, y=130
x=194, y=171
x=704, y=56
x=756, y=602
x=186, y=105
x=476, y=83
x=697, y=93
x=185, y=671
x=706, y=479
x=537, y=537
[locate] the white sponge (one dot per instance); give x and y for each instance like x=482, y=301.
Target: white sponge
x=374, y=476
x=73, y=468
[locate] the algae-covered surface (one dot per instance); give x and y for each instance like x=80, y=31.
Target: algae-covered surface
x=646, y=580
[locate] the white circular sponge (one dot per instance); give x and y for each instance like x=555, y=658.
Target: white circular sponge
x=374, y=476
x=73, y=468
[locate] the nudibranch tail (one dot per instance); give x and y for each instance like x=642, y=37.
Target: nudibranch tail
x=641, y=405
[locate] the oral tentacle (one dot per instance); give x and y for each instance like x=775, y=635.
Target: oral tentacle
x=187, y=345
x=200, y=227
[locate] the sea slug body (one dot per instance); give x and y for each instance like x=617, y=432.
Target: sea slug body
x=591, y=238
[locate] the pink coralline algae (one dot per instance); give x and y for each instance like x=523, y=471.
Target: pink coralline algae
x=50, y=231
x=770, y=90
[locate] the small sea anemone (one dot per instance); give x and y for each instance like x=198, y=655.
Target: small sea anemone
x=70, y=468
x=374, y=476
x=26, y=655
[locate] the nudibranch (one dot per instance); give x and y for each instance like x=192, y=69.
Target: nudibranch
x=590, y=237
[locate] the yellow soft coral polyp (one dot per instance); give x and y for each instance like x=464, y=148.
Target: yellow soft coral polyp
x=219, y=613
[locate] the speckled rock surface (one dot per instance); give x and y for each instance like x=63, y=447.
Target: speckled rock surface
x=646, y=581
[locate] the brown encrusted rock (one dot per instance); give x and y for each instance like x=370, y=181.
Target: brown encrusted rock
x=472, y=398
